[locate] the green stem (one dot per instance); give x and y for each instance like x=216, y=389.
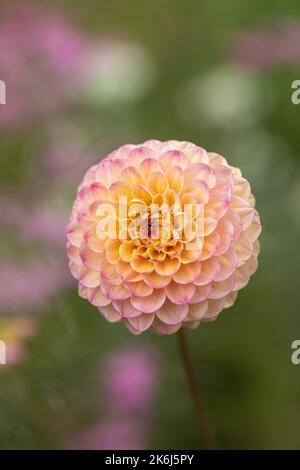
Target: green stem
x=204, y=424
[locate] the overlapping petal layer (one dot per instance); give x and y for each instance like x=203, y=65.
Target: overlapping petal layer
x=162, y=235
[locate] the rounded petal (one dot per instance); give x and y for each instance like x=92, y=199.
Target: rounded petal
x=132, y=176
x=172, y=314
x=202, y=172
x=142, y=265
x=115, y=292
x=139, y=289
x=214, y=308
x=111, y=250
x=75, y=233
x=187, y=273
x=126, y=273
x=191, y=325
x=125, y=309
x=219, y=202
x=89, y=278
x=156, y=280
x=254, y=229
x=150, y=166
x=92, y=241
x=175, y=178
x=243, y=209
x=197, y=311
x=173, y=158
x=157, y=183
x=243, y=249
x=91, y=259
x=230, y=299
x=180, y=294
x=151, y=303
x=222, y=288
x=209, y=270
x=201, y=293
x=228, y=264
x=95, y=297
x=110, y=314
x=140, y=323
x=225, y=230
x=162, y=328
x=168, y=267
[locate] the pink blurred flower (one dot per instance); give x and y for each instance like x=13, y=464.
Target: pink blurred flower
x=40, y=55
x=263, y=50
x=65, y=159
x=130, y=379
x=25, y=284
x=30, y=285
x=42, y=222
x=45, y=224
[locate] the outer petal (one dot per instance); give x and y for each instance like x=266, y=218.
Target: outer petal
x=125, y=309
x=225, y=231
x=244, y=210
x=209, y=271
x=150, y=166
x=187, y=273
x=95, y=297
x=180, y=294
x=222, y=288
x=172, y=314
x=202, y=172
x=228, y=263
x=214, y=308
x=140, y=323
x=254, y=229
x=115, y=292
x=91, y=259
x=173, y=158
x=197, y=311
x=74, y=233
x=162, y=328
x=156, y=280
x=139, y=289
x=151, y=303
x=110, y=314
x=191, y=325
x=201, y=294
x=89, y=278
x=219, y=202
x=92, y=241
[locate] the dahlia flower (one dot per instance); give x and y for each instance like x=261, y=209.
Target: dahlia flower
x=162, y=235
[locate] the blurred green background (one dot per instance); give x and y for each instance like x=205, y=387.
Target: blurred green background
x=82, y=78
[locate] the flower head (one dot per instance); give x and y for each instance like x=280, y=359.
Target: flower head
x=162, y=235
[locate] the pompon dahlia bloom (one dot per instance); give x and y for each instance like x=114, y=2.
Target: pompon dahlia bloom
x=180, y=248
